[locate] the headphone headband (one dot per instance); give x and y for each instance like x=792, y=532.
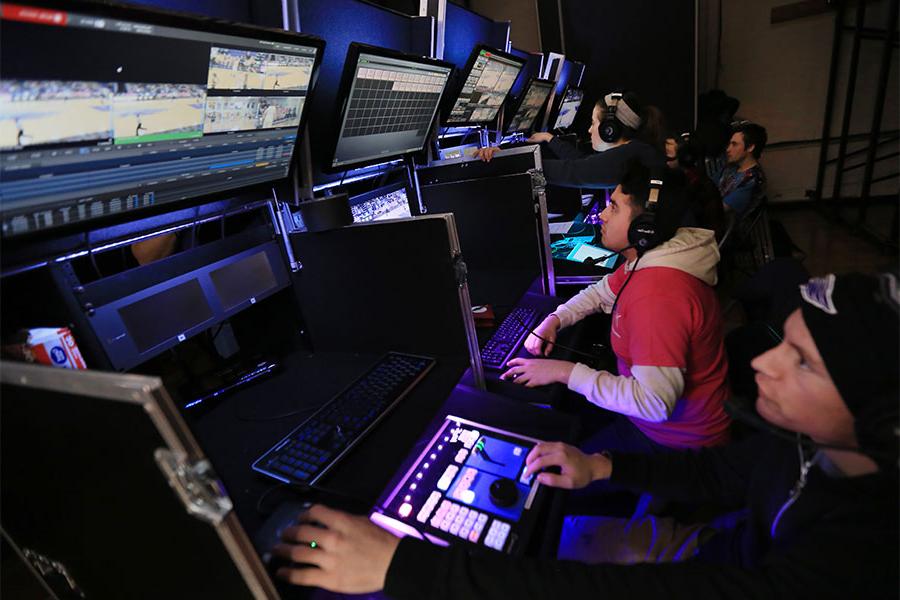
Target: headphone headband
x=618, y=107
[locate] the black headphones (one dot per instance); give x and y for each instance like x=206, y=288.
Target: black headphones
x=643, y=233
x=610, y=126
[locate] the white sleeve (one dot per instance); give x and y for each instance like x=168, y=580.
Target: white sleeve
x=592, y=299
x=649, y=394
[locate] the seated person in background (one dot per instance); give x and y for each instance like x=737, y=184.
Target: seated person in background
x=821, y=498
x=704, y=201
x=666, y=332
x=742, y=182
x=640, y=135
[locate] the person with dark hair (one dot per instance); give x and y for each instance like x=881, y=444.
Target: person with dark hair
x=666, y=330
x=742, y=183
x=704, y=200
x=819, y=485
x=640, y=136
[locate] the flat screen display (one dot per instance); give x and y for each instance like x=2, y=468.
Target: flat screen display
x=389, y=108
x=106, y=110
x=532, y=102
x=488, y=81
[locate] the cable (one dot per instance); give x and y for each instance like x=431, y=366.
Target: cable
x=299, y=488
x=266, y=419
x=557, y=344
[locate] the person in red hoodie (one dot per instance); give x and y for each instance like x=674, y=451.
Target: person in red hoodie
x=666, y=331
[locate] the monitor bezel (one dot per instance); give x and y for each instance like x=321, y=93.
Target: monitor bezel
x=558, y=108
x=521, y=99
x=464, y=76
x=181, y=20
x=349, y=72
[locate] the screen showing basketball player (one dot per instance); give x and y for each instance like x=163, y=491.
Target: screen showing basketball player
x=145, y=109
x=530, y=106
x=488, y=81
x=568, y=108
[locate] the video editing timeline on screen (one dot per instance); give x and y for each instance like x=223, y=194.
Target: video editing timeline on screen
x=468, y=484
x=531, y=104
x=391, y=105
x=88, y=137
x=568, y=108
x=486, y=87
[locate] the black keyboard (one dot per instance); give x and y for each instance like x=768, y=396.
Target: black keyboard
x=509, y=336
x=323, y=439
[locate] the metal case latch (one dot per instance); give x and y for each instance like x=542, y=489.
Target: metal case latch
x=196, y=484
x=459, y=267
x=538, y=181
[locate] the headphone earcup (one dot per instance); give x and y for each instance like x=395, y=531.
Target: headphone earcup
x=610, y=130
x=642, y=233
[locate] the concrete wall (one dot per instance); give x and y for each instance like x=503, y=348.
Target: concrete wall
x=780, y=74
x=522, y=15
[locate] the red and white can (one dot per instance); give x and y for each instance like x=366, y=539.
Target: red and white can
x=54, y=347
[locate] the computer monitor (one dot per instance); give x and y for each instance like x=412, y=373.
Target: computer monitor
x=106, y=110
x=489, y=76
x=389, y=202
x=529, y=106
x=389, y=100
x=568, y=108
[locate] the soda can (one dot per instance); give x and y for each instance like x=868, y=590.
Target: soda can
x=53, y=346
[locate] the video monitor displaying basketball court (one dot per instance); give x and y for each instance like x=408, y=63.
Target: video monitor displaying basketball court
x=93, y=123
x=489, y=77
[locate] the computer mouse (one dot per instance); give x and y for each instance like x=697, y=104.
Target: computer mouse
x=269, y=535
x=504, y=492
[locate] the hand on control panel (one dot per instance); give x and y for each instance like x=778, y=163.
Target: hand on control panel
x=533, y=372
x=349, y=554
x=576, y=469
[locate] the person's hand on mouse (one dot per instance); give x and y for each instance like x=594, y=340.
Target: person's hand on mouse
x=548, y=329
x=486, y=154
x=533, y=372
x=352, y=553
x=540, y=137
x=577, y=469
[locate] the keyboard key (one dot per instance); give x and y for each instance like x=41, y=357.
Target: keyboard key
x=313, y=447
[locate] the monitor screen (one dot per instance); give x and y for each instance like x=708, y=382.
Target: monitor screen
x=390, y=100
x=106, y=109
x=530, y=105
x=389, y=202
x=568, y=108
x=489, y=78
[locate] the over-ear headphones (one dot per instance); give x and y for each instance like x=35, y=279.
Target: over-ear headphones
x=610, y=127
x=643, y=232
x=617, y=116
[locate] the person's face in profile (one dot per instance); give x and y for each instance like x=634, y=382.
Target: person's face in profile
x=737, y=150
x=671, y=153
x=617, y=217
x=594, y=129
x=796, y=391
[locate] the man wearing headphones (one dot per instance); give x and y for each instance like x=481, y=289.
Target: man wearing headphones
x=666, y=327
x=820, y=489
x=621, y=129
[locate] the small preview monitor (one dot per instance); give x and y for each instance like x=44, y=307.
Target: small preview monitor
x=529, y=106
x=568, y=108
x=489, y=76
x=389, y=102
x=107, y=109
x=389, y=202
